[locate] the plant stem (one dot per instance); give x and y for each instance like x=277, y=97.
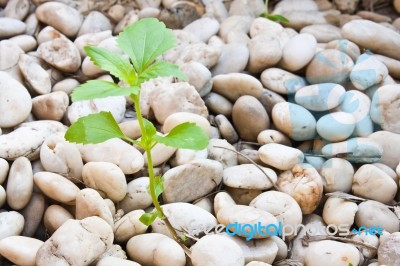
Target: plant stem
x=150, y=168
x=266, y=7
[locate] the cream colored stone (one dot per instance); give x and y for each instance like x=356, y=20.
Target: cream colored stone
x=20, y=250
x=19, y=183
x=129, y=226
x=54, y=217
x=90, y=203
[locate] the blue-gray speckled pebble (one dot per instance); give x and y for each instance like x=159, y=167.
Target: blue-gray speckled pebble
x=320, y=97
x=336, y=126
x=294, y=120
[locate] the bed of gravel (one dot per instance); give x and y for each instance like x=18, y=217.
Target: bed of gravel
x=314, y=106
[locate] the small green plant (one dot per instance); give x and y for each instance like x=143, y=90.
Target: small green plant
x=273, y=17
x=144, y=41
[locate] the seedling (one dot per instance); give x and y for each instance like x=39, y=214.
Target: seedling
x=143, y=42
x=273, y=17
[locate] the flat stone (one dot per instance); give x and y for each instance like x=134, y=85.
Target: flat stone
x=10, y=27
x=248, y=176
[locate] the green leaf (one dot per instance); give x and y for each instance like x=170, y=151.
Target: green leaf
x=100, y=89
x=158, y=186
x=161, y=69
x=111, y=62
x=94, y=128
x=185, y=136
x=144, y=41
x=149, y=128
x=277, y=18
x=148, y=218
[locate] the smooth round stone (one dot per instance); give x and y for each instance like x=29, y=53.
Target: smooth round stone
x=26, y=42
x=358, y=104
x=51, y=106
x=95, y=22
x=262, y=25
x=243, y=196
x=367, y=72
x=33, y=134
x=320, y=97
x=48, y=33
x=231, y=64
x=178, y=118
x=356, y=150
x=10, y=27
x=60, y=53
x=336, y=126
x=265, y=52
x=159, y=97
x=285, y=209
x=113, y=104
x=242, y=214
x=12, y=224
x=364, y=32
x=384, y=108
x=323, y=33
x=388, y=251
x=389, y=171
x=35, y=75
x=226, y=129
x=20, y=250
x=19, y=183
x=191, y=181
x=273, y=136
x=92, y=235
x=304, y=184
x=10, y=54
x=235, y=23
x=66, y=85
x=160, y=154
x=32, y=24
x=339, y=212
x=107, y=178
x=198, y=76
x=106, y=261
x=222, y=200
x=61, y=157
x=91, y=39
x=262, y=250
x=33, y=214
x=184, y=216
x=269, y=98
x=56, y=187
x=332, y=253
x=3, y=196
x=54, y=217
x=225, y=157
x=298, y=52
x=130, y=17
x=129, y=226
x=337, y=175
x=244, y=108
x=155, y=249
x=4, y=167
x=329, y=65
x=372, y=183
x=217, y=250
x=294, y=120
x=15, y=101
x=237, y=37
x=234, y=85
x=60, y=16
x=199, y=52
x=183, y=156
x=137, y=196
x=203, y=28
x=248, y=176
x=345, y=46
x=392, y=65
x=385, y=140
x=280, y=156
x=218, y=104
x=373, y=213
x=282, y=81
x=111, y=151
x=90, y=203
